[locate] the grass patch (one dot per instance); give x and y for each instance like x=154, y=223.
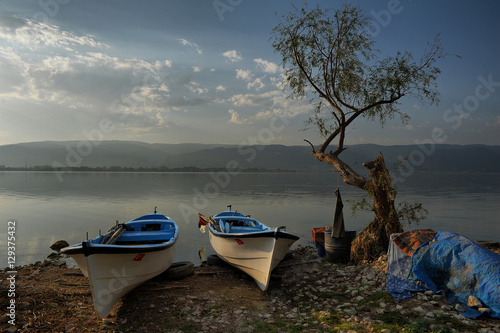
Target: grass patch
x=455, y=323
x=376, y=297
x=274, y=327
x=328, y=318
x=331, y=294
x=394, y=318
x=396, y=322
x=184, y=328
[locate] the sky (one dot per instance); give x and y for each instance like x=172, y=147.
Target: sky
x=196, y=71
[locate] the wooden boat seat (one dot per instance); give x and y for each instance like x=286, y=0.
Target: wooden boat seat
x=239, y=229
x=145, y=237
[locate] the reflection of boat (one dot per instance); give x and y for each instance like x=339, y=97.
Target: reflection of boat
x=128, y=255
x=247, y=244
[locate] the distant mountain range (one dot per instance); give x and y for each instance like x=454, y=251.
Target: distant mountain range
x=444, y=158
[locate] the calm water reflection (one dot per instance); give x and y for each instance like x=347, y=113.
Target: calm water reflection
x=47, y=210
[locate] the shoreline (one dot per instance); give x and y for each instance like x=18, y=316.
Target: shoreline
x=306, y=294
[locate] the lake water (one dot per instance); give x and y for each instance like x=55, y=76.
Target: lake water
x=47, y=208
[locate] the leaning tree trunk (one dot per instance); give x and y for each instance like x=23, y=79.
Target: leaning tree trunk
x=374, y=239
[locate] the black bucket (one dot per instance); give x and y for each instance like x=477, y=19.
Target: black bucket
x=339, y=249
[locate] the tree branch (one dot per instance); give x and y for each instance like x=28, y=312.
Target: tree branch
x=309, y=142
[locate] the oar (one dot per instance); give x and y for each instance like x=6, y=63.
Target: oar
x=214, y=223
x=116, y=235
x=110, y=233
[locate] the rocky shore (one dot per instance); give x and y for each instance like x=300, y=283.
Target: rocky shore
x=306, y=294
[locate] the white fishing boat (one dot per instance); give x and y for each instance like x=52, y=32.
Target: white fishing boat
x=128, y=255
x=248, y=244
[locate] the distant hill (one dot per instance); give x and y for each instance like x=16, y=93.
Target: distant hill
x=444, y=158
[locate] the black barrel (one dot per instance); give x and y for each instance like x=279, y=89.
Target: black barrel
x=339, y=249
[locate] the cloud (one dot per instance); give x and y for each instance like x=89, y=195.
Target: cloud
x=495, y=122
x=190, y=44
x=220, y=88
x=194, y=87
x=267, y=66
x=269, y=104
x=232, y=55
x=244, y=74
x=235, y=117
x=183, y=101
x=253, y=100
x=11, y=71
x=256, y=84
x=87, y=78
x=247, y=75
x=33, y=35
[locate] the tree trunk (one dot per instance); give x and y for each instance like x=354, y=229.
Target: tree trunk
x=374, y=239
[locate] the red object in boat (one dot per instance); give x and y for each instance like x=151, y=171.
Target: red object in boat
x=202, y=220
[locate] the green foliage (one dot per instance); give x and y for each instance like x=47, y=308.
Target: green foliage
x=407, y=212
x=361, y=205
x=332, y=53
x=411, y=212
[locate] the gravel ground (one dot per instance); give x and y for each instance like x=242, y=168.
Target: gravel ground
x=306, y=294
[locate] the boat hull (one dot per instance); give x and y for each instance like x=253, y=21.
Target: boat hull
x=113, y=276
x=144, y=249
x=256, y=254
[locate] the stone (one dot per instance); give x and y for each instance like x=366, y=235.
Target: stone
x=474, y=302
x=53, y=256
x=459, y=308
x=58, y=263
x=57, y=246
x=430, y=314
x=446, y=307
x=418, y=309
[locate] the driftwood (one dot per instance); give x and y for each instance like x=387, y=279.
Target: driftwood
x=166, y=288
x=298, y=263
x=74, y=284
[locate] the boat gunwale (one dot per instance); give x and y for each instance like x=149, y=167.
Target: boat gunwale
x=96, y=248
x=116, y=249
x=268, y=233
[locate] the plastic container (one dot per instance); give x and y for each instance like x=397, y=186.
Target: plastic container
x=318, y=236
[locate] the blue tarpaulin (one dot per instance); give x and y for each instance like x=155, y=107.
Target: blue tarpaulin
x=398, y=268
x=459, y=267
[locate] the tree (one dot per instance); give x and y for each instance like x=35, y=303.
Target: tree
x=331, y=55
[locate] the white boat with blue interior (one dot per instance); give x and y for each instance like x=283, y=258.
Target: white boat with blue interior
x=128, y=255
x=248, y=244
